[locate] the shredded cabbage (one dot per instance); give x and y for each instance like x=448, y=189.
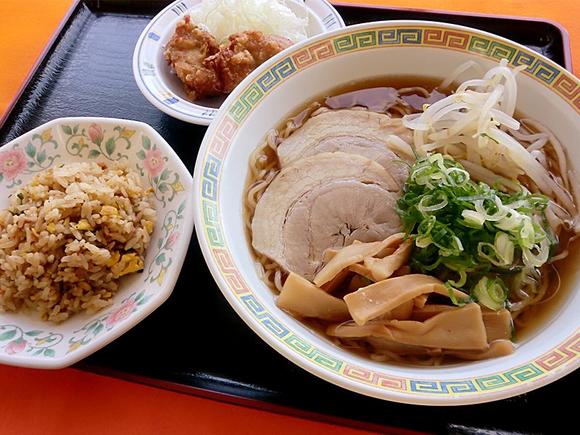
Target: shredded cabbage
x=272, y=17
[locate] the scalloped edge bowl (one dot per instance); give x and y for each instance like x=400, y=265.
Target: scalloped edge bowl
x=27, y=341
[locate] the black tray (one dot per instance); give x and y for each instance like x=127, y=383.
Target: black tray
x=195, y=343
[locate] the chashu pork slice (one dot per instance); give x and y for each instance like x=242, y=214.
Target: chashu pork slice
x=324, y=201
x=351, y=131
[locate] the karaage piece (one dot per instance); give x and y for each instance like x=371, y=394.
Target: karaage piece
x=186, y=51
x=243, y=53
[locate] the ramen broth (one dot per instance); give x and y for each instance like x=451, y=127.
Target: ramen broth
x=396, y=82
x=540, y=315
x=535, y=317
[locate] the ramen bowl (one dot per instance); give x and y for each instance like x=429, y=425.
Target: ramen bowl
x=26, y=340
x=307, y=71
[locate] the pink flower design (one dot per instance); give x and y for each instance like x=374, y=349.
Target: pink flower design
x=96, y=133
x=15, y=346
x=121, y=313
x=171, y=240
x=12, y=163
x=153, y=162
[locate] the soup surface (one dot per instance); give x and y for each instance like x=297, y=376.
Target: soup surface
x=395, y=217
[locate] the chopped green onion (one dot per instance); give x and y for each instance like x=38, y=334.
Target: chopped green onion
x=504, y=248
x=532, y=259
x=490, y=293
x=473, y=218
x=452, y=296
x=457, y=176
x=465, y=231
x=423, y=206
x=461, y=281
x=511, y=221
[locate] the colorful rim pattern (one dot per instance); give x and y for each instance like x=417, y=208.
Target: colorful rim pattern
x=566, y=355
x=147, y=49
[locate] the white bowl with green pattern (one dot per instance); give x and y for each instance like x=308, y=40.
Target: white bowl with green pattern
x=313, y=68
x=27, y=341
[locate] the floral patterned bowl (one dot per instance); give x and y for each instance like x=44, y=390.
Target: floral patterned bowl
x=27, y=341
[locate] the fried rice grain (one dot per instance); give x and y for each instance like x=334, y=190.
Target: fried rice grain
x=69, y=236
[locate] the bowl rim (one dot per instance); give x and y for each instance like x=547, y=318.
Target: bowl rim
x=220, y=128
x=198, y=114
x=161, y=295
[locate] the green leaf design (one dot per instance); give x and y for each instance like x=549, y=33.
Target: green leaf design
x=33, y=333
x=141, y=155
x=94, y=154
x=159, y=243
x=91, y=326
x=30, y=150
x=49, y=352
x=181, y=208
x=140, y=295
x=110, y=146
x=38, y=352
x=75, y=129
x=98, y=329
x=29, y=164
x=67, y=130
x=163, y=188
x=144, y=300
x=7, y=335
x=41, y=157
x=165, y=174
x=146, y=143
x=160, y=259
x=2, y=176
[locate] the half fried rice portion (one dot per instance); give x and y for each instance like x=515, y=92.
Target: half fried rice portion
x=69, y=236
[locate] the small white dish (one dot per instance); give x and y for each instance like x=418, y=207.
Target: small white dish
x=27, y=341
x=546, y=91
x=161, y=86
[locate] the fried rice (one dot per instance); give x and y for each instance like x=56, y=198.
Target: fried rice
x=69, y=236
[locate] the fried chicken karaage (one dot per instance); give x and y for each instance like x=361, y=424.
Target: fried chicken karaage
x=208, y=69
x=243, y=53
x=186, y=51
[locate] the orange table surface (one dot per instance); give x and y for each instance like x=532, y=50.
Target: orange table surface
x=72, y=401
